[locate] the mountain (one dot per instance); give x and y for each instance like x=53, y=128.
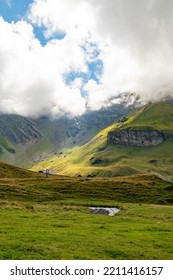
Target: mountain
x=25, y=140
x=16, y=134
x=141, y=140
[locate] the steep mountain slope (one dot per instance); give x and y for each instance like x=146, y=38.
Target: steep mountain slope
x=24, y=141
x=102, y=157
x=18, y=129
x=148, y=126
x=16, y=134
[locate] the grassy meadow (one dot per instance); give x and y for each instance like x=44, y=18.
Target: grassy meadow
x=50, y=218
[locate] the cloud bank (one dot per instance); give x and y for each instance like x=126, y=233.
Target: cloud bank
x=132, y=39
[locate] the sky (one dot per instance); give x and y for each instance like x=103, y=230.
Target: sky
x=68, y=56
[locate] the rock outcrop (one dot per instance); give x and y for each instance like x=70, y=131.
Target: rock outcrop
x=131, y=137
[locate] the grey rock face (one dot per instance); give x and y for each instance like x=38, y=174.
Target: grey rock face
x=137, y=137
x=17, y=129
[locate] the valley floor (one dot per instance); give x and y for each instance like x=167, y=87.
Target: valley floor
x=50, y=218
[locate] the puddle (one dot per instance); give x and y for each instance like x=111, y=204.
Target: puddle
x=104, y=210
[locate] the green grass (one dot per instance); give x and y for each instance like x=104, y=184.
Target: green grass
x=50, y=218
x=119, y=160
x=158, y=116
x=10, y=171
x=72, y=232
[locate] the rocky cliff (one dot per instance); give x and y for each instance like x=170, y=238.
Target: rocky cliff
x=18, y=129
x=131, y=137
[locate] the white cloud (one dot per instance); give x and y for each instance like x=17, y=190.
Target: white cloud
x=60, y=16
x=32, y=76
x=96, y=94
x=140, y=53
x=135, y=38
x=132, y=38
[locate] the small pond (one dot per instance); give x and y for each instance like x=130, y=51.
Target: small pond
x=104, y=210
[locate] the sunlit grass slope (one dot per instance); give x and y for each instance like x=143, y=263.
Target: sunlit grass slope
x=96, y=158
x=158, y=116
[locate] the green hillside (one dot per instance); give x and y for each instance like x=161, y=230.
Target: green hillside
x=10, y=171
x=158, y=116
x=96, y=158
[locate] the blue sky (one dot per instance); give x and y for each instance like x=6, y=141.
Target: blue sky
x=14, y=10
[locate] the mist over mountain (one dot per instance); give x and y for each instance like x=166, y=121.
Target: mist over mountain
x=25, y=140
